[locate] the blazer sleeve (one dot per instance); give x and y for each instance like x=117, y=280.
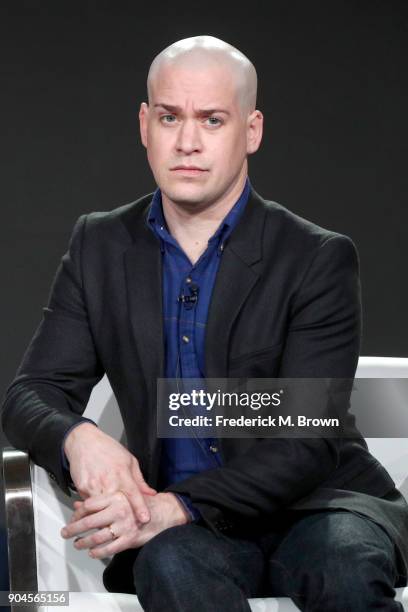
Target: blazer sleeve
x=322, y=341
x=54, y=381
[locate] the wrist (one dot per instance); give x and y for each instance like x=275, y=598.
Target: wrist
x=179, y=513
x=72, y=436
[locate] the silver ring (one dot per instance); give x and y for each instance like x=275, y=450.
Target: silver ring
x=113, y=534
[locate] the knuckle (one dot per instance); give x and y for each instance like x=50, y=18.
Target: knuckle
x=80, y=484
x=123, y=496
x=106, y=478
x=118, y=497
x=92, y=483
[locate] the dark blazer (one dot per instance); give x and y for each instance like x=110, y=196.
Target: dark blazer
x=286, y=303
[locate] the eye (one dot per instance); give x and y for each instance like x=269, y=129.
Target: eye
x=168, y=118
x=214, y=121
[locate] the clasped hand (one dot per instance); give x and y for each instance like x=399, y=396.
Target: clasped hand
x=117, y=502
x=117, y=526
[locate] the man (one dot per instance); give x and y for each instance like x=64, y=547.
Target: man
x=206, y=278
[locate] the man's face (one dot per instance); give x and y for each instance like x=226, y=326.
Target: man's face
x=195, y=133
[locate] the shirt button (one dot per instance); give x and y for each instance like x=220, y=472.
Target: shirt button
x=188, y=279
x=214, y=449
x=222, y=247
x=185, y=339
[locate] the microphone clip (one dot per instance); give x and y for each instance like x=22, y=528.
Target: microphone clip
x=189, y=300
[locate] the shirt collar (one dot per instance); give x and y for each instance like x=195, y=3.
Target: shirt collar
x=157, y=223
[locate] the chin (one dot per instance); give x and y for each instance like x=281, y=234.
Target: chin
x=186, y=195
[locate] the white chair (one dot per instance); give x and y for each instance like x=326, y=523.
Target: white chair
x=54, y=564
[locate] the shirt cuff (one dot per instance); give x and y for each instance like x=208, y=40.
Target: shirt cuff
x=188, y=505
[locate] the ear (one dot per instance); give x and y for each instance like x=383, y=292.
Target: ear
x=143, y=115
x=254, y=131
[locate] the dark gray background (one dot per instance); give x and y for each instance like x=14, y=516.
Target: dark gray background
x=333, y=89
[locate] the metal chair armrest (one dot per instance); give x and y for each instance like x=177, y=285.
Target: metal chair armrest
x=22, y=557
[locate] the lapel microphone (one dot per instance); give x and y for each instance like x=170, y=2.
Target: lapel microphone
x=192, y=298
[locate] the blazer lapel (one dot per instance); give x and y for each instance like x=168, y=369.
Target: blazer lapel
x=236, y=277
x=144, y=285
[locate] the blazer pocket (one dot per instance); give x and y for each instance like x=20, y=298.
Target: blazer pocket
x=265, y=353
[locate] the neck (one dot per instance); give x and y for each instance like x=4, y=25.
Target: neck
x=196, y=224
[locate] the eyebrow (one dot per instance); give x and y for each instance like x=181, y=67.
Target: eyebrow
x=201, y=112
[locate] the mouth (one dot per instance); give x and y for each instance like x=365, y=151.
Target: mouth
x=188, y=170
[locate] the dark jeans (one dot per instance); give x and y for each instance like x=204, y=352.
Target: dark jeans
x=334, y=561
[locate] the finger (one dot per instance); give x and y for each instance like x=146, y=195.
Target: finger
x=112, y=548
x=77, y=507
x=125, y=482
x=77, y=515
x=92, y=521
x=142, y=484
x=92, y=504
x=147, y=489
x=136, y=500
x=74, y=518
x=102, y=536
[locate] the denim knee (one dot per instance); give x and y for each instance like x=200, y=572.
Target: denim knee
x=190, y=557
x=337, y=561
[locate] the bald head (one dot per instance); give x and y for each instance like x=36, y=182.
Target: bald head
x=203, y=52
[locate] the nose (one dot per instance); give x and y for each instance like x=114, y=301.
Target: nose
x=188, y=137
